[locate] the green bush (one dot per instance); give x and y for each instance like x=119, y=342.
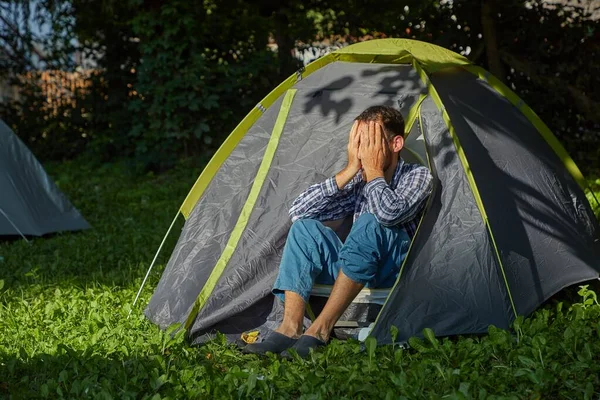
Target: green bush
x=201, y=70
x=54, y=134
x=176, y=77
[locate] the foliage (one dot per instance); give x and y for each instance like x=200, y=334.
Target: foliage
x=106, y=40
x=33, y=35
x=593, y=193
x=64, y=302
x=57, y=132
x=177, y=76
x=547, y=56
x=201, y=70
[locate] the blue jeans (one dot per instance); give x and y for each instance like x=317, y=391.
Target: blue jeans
x=313, y=253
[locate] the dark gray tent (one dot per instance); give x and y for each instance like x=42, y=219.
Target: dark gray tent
x=506, y=228
x=30, y=203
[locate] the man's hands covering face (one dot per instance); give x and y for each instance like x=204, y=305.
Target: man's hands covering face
x=367, y=149
x=354, y=163
x=374, y=150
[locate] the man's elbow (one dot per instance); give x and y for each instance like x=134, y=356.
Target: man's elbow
x=294, y=215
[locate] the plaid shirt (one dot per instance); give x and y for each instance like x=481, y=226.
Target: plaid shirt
x=397, y=203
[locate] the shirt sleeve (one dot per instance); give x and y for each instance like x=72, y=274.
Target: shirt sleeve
x=325, y=201
x=392, y=207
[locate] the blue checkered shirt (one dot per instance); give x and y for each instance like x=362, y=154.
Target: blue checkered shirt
x=400, y=202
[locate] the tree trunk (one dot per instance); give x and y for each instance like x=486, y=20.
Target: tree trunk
x=491, y=41
x=285, y=44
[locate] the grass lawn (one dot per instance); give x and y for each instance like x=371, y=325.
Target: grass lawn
x=64, y=330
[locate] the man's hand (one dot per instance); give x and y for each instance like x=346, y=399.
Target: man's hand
x=374, y=151
x=354, y=164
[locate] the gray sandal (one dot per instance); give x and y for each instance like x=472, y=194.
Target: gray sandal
x=303, y=346
x=274, y=343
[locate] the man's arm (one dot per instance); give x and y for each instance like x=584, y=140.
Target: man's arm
x=392, y=207
x=334, y=198
x=325, y=201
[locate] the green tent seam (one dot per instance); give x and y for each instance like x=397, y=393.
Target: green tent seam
x=532, y=117
x=242, y=221
x=465, y=163
x=425, y=209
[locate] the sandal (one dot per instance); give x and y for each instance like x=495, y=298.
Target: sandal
x=274, y=343
x=303, y=346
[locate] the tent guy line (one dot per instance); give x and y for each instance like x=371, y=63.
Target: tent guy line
x=14, y=225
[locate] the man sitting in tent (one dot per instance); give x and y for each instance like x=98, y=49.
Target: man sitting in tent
x=385, y=195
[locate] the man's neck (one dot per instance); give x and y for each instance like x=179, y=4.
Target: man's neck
x=389, y=172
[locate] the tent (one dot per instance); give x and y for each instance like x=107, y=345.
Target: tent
x=507, y=226
x=30, y=204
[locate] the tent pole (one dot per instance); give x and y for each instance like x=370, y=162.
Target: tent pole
x=152, y=264
x=14, y=226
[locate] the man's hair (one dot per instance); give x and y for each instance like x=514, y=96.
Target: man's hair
x=390, y=118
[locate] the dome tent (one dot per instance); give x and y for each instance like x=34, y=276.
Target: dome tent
x=506, y=227
x=30, y=204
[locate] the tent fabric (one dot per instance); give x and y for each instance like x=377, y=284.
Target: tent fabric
x=430, y=56
x=533, y=196
x=395, y=51
x=30, y=204
x=542, y=128
x=506, y=225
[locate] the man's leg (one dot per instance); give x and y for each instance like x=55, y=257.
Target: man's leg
x=293, y=315
x=371, y=256
x=343, y=292
x=311, y=249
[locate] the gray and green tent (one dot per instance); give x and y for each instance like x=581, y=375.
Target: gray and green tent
x=30, y=202
x=508, y=224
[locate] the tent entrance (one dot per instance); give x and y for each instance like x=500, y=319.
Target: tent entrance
x=360, y=314
x=367, y=305
x=366, y=296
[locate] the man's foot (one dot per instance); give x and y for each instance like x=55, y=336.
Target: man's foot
x=303, y=346
x=274, y=343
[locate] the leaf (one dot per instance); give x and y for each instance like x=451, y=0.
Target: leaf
x=44, y=391
x=464, y=388
x=393, y=332
x=430, y=336
x=527, y=362
x=417, y=344
x=371, y=345
x=63, y=376
x=521, y=372
x=589, y=391
x=251, y=383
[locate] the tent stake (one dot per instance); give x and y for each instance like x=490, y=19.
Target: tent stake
x=14, y=226
x=152, y=264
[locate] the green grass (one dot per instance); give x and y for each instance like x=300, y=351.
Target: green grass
x=64, y=330
x=593, y=195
